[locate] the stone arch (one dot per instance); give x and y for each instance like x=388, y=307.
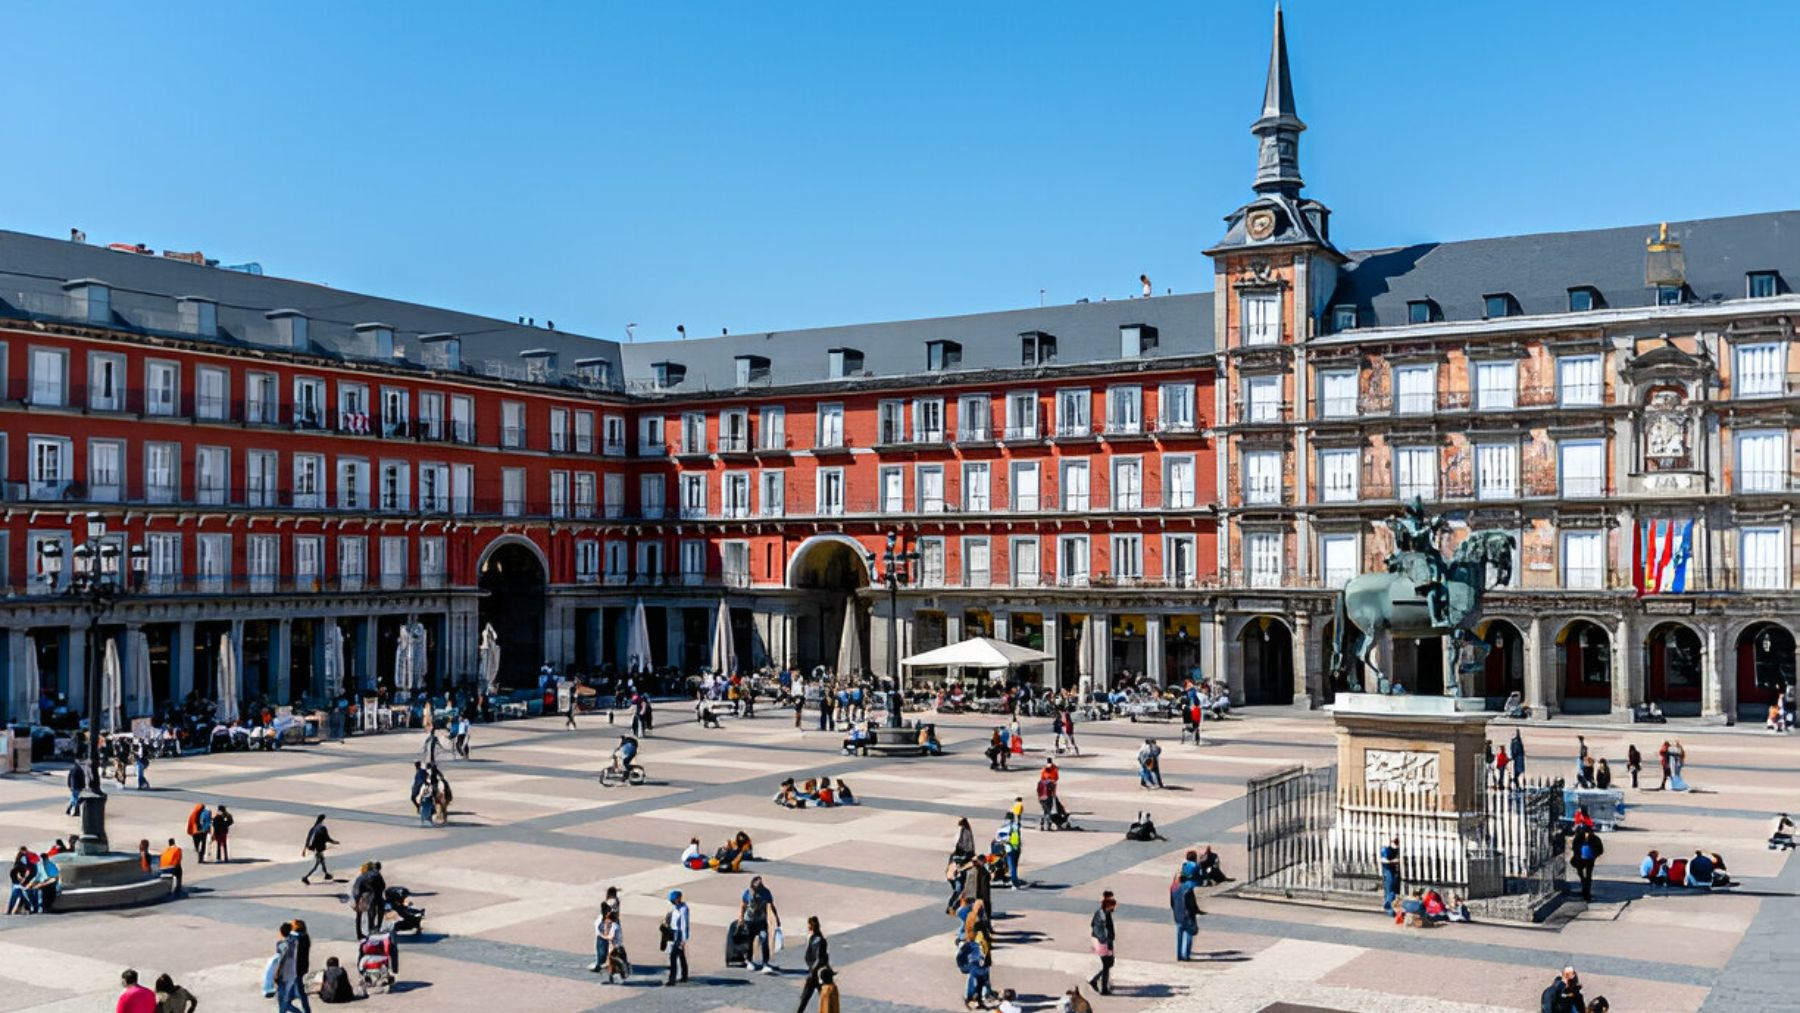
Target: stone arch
x=519, y=540
x=1675, y=665
x=1266, y=655
x=797, y=568
x=830, y=569
x=1765, y=657
x=514, y=579
x=1584, y=666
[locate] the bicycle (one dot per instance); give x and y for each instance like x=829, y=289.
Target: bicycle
x=632, y=775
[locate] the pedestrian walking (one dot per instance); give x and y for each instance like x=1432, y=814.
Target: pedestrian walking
x=1662, y=755
x=1634, y=763
x=134, y=998
x=1678, y=757
x=975, y=958
x=221, y=833
x=755, y=912
x=1517, y=750
x=1185, y=907
x=77, y=785
x=1390, y=874
x=199, y=828
x=289, y=987
x=1149, y=760
x=1584, y=850
x=1100, y=927
x=818, y=961
x=569, y=712
x=142, y=760
x=675, y=937
x=318, y=839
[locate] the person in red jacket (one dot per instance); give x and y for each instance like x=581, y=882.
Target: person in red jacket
x=136, y=998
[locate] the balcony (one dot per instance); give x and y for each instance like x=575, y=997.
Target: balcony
x=354, y=423
x=212, y=408
x=462, y=431
x=734, y=443
x=1021, y=434
x=773, y=444
x=262, y=412
x=1761, y=480
x=48, y=394
x=1081, y=430
x=1583, y=487
x=512, y=437
x=1125, y=428
x=980, y=434
x=610, y=449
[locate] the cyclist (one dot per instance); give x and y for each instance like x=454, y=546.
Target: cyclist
x=624, y=755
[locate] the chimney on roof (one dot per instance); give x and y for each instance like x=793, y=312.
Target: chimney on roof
x=290, y=329
x=374, y=340
x=199, y=317
x=441, y=350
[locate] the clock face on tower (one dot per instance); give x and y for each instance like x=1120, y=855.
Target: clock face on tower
x=1260, y=224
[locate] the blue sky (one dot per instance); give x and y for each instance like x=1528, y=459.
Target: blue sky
x=758, y=166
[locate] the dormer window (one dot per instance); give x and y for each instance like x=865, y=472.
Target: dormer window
x=1583, y=298
x=594, y=371
x=1037, y=348
x=942, y=355
x=198, y=316
x=844, y=362
x=1762, y=284
x=668, y=374
x=1343, y=318
x=1136, y=341
x=1421, y=311
x=1498, y=304
x=90, y=301
x=1670, y=295
x=751, y=369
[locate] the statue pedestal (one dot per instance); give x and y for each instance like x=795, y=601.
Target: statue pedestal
x=1414, y=744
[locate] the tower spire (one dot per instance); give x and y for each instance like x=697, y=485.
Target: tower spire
x=1278, y=129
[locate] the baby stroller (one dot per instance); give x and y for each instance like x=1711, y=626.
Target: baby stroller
x=378, y=961
x=1059, y=816
x=407, y=917
x=1143, y=829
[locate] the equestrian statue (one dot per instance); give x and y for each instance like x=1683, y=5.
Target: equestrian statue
x=1421, y=595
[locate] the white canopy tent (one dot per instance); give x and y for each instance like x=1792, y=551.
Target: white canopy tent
x=983, y=653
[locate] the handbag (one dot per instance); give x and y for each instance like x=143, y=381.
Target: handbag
x=1102, y=949
x=776, y=945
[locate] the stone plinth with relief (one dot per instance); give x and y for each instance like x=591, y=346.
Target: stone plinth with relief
x=1413, y=744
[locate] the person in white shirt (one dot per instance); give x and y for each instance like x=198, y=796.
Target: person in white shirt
x=676, y=925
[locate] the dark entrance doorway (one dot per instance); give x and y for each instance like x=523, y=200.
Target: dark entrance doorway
x=1672, y=667
x=1584, y=663
x=1765, y=669
x=831, y=569
x=1504, y=670
x=513, y=603
x=1268, y=653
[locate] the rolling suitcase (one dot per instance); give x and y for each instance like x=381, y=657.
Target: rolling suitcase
x=737, y=945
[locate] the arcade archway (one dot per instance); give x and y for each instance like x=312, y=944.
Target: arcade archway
x=1267, y=651
x=1674, y=663
x=1504, y=671
x=830, y=568
x=513, y=579
x=1765, y=668
x=1584, y=668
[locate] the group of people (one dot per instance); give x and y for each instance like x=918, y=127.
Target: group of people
x=210, y=826
x=431, y=795
x=167, y=997
x=1704, y=871
x=729, y=857
x=814, y=791
x=34, y=880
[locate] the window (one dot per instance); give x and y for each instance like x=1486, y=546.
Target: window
x=309, y=562
x=353, y=483
x=1415, y=389
x=393, y=562
x=1500, y=304
x=1337, y=475
x=771, y=428
x=1420, y=311
x=1024, y=482
x=394, y=412
x=650, y=561
x=843, y=362
x=431, y=415
x=1416, y=473
x=1262, y=550
x=942, y=355
x=309, y=481
x=587, y=561
x=977, y=563
x=1128, y=558
x=929, y=482
x=353, y=408
x=1025, y=568
x=212, y=475
x=52, y=467
x=261, y=402
x=831, y=491
x=1124, y=409
x=434, y=488
x=584, y=493
x=1037, y=348
x=353, y=561
x=559, y=494
x=263, y=557
x=974, y=423
x=1178, y=560
x=651, y=492
x=1762, y=284
x=106, y=382
x=693, y=433
x=462, y=418
x=1496, y=470
x=512, y=424
x=693, y=562
x=612, y=493
x=1175, y=402
x=1765, y=560
x=1581, y=466
x=1022, y=415
x=431, y=561
x=892, y=484
x=693, y=496
x=772, y=493
x=618, y=558
x=1262, y=477
x=212, y=562
x=614, y=434
x=1758, y=370
x=396, y=486
x=931, y=562
x=1136, y=341
x=162, y=472
x=1262, y=318
x=1127, y=483
x=734, y=564
x=49, y=377
x=559, y=430
x=512, y=492
x=928, y=420
x=1178, y=483
x=1578, y=380
x=1074, y=484
x=734, y=431
x=1262, y=398
x=736, y=494
x=1496, y=385
x=106, y=470
x=162, y=389
x=1343, y=318
x=650, y=436
x=1669, y=295
x=1337, y=393
x=1583, y=560
x=1072, y=561
x=668, y=374
x=1582, y=299
x=165, y=560
x=890, y=419
x=1337, y=559
x=212, y=398
x=976, y=487
x=1761, y=461
x=831, y=426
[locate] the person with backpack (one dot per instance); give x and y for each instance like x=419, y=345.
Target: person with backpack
x=1046, y=796
x=975, y=958
x=1585, y=848
x=675, y=928
x=1634, y=763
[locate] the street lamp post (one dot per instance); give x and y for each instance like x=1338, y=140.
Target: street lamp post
x=893, y=568
x=97, y=580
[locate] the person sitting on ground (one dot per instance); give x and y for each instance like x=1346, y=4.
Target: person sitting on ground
x=1074, y=1002
x=1459, y=909
x=928, y=740
x=708, y=718
x=1720, y=878
x=1515, y=705
x=857, y=742
x=787, y=796
x=1435, y=908
x=1781, y=834
x=729, y=857
x=844, y=797
x=334, y=984
x=826, y=796
x=1210, y=871
x=692, y=858
x=1654, y=869
x=996, y=751
x=1700, y=870
x=1412, y=909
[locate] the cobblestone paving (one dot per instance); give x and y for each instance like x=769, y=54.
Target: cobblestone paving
x=512, y=885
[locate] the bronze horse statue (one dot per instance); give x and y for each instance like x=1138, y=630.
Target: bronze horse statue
x=1393, y=602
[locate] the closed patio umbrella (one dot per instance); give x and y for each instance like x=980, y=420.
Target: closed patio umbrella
x=421, y=661
x=334, y=658
x=226, y=690
x=112, y=693
x=403, y=658
x=24, y=696
x=143, y=693
x=850, y=655
x=637, y=651
x=724, y=654
x=489, y=655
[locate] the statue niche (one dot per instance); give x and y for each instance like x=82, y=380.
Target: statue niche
x=1667, y=429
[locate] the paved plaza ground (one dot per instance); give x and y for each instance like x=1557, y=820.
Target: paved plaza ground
x=513, y=884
